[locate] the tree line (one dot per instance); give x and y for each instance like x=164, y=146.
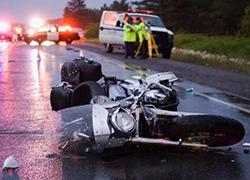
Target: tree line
x=212, y=17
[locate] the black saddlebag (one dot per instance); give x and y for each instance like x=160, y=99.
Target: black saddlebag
x=70, y=73
x=60, y=97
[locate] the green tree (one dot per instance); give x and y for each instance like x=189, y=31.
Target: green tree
x=76, y=6
x=105, y=7
x=77, y=14
x=245, y=26
x=73, y=13
x=120, y=5
x=199, y=16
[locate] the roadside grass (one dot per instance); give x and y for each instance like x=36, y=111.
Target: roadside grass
x=226, y=52
x=230, y=46
x=212, y=62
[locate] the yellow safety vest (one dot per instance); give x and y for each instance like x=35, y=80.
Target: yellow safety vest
x=129, y=33
x=142, y=33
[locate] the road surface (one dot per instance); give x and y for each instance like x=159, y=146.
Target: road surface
x=28, y=128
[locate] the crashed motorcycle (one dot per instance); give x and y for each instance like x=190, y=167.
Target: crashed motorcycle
x=83, y=79
x=109, y=124
x=113, y=113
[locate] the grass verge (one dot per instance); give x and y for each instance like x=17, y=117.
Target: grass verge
x=230, y=46
x=217, y=51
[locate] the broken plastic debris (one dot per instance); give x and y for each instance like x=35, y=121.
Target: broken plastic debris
x=189, y=90
x=246, y=147
x=10, y=162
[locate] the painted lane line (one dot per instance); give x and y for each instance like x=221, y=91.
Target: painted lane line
x=223, y=102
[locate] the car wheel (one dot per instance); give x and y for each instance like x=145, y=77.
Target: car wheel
x=69, y=41
x=166, y=53
x=27, y=41
x=40, y=41
x=109, y=48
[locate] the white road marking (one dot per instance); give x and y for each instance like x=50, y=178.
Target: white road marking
x=223, y=102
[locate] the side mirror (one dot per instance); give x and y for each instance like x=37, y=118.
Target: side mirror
x=101, y=28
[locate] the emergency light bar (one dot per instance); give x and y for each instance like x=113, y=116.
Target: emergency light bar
x=141, y=11
x=4, y=26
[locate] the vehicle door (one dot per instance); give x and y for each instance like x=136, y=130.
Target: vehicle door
x=119, y=29
x=53, y=34
x=107, y=33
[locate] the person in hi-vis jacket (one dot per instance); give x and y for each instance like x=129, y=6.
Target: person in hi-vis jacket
x=129, y=38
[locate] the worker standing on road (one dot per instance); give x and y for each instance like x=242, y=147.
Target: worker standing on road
x=129, y=38
x=143, y=38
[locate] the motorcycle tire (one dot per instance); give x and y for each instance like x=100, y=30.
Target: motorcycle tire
x=211, y=130
x=84, y=92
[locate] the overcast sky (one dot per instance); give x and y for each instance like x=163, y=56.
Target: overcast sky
x=22, y=10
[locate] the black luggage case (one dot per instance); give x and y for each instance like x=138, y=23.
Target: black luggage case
x=60, y=97
x=70, y=73
x=89, y=70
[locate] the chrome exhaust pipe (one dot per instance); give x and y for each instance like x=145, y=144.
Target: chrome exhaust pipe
x=165, y=142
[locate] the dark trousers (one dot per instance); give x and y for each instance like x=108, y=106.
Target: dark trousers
x=144, y=49
x=129, y=49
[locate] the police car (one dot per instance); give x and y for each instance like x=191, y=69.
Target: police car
x=111, y=30
x=51, y=33
x=5, y=31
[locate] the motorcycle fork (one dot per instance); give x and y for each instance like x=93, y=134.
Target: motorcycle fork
x=137, y=118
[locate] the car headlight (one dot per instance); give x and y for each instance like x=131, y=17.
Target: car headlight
x=123, y=122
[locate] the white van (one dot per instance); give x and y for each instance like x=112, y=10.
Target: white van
x=111, y=30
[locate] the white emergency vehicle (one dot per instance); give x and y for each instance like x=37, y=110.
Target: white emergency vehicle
x=111, y=30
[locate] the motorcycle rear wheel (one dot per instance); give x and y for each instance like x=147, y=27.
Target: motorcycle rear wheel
x=211, y=130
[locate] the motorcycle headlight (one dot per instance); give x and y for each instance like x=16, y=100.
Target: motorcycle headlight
x=123, y=121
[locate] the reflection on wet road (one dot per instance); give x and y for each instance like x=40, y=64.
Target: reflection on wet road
x=28, y=126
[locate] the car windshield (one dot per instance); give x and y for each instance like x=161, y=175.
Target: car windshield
x=154, y=21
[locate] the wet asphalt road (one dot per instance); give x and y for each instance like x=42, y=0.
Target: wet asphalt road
x=28, y=126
